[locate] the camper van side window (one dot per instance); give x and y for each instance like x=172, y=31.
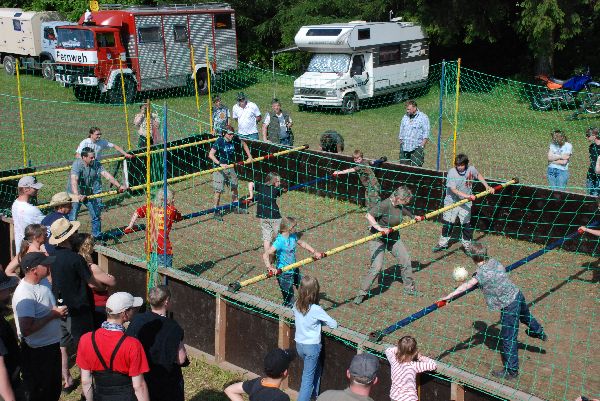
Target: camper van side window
x=323, y=32
x=180, y=33
x=17, y=25
x=389, y=55
x=49, y=33
x=149, y=34
x=364, y=34
x=223, y=21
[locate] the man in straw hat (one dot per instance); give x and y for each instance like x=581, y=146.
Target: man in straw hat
x=23, y=212
x=62, y=204
x=113, y=363
x=70, y=278
x=38, y=326
x=9, y=347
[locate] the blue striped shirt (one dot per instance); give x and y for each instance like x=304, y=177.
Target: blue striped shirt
x=413, y=131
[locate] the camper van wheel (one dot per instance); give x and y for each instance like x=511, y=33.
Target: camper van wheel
x=48, y=70
x=10, y=65
x=349, y=103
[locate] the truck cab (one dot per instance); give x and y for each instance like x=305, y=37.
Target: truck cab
x=359, y=60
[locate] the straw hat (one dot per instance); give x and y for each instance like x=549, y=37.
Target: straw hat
x=61, y=198
x=62, y=229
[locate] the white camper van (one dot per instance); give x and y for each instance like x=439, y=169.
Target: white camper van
x=30, y=37
x=360, y=60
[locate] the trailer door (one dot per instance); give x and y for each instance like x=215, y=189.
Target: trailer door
x=360, y=76
x=201, y=35
x=178, y=49
x=151, y=52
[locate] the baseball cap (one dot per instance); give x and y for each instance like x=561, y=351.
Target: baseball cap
x=34, y=259
x=241, y=96
x=121, y=301
x=29, y=182
x=277, y=361
x=364, y=367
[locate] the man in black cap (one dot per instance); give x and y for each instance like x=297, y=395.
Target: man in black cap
x=38, y=326
x=266, y=388
x=9, y=347
x=362, y=374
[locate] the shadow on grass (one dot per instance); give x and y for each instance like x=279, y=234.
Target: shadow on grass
x=209, y=395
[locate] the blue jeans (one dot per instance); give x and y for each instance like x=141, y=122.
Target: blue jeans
x=593, y=187
x=93, y=207
x=287, y=281
x=509, y=318
x=286, y=141
x=557, y=179
x=162, y=259
x=311, y=373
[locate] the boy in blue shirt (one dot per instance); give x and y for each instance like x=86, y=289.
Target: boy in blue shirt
x=283, y=251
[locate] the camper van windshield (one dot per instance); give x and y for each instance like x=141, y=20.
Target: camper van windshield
x=329, y=63
x=75, y=38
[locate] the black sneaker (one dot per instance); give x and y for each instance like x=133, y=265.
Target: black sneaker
x=439, y=248
x=505, y=374
x=542, y=336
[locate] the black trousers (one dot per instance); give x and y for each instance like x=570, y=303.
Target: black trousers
x=41, y=368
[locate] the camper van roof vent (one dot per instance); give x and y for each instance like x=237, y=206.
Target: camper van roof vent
x=357, y=22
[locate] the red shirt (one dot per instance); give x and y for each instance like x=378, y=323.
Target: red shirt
x=157, y=222
x=130, y=359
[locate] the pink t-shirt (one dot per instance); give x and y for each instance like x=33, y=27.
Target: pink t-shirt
x=404, y=375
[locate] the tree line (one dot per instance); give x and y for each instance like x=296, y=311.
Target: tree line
x=502, y=37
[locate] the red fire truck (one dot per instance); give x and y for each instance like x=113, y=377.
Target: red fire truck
x=153, y=44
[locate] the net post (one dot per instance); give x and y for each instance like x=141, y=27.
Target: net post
x=165, y=183
x=21, y=118
x=210, y=111
x=456, y=110
x=148, y=187
x=440, y=119
x=193, y=61
x=125, y=104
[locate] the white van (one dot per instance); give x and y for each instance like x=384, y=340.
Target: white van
x=360, y=60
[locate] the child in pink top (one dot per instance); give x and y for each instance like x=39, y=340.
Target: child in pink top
x=406, y=362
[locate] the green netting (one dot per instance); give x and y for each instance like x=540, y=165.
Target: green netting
x=498, y=128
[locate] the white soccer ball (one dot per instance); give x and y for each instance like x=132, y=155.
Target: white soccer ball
x=460, y=273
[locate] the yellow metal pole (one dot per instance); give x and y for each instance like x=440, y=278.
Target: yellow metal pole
x=125, y=105
x=21, y=114
x=148, y=188
x=196, y=87
x=456, y=111
x=197, y=174
x=113, y=159
x=210, y=111
x=237, y=285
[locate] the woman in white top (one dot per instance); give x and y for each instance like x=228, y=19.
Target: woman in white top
x=558, y=160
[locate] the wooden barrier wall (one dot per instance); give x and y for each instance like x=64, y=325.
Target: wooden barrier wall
x=238, y=329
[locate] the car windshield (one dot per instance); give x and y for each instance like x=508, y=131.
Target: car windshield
x=329, y=63
x=75, y=38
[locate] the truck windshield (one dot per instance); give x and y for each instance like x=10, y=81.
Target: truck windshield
x=329, y=63
x=75, y=38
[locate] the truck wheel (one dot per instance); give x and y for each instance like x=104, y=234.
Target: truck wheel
x=10, y=65
x=115, y=95
x=48, y=70
x=349, y=103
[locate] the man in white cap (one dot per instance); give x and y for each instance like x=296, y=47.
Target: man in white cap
x=38, y=326
x=23, y=212
x=62, y=204
x=111, y=362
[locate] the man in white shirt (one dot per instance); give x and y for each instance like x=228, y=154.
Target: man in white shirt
x=247, y=116
x=38, y=326
x=95, y=142
x=23, y=212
